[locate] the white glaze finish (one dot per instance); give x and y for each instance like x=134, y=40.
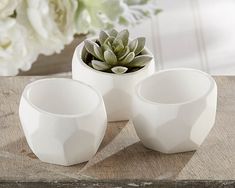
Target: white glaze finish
x=174, y=110
x=64, y=121
x=117, y=90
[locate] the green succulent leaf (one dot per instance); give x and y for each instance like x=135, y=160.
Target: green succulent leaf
x=89, y=45
x=119, y=69
x=102, y=37
x=118, y=48
x=117, y=41
x=141, y=44
x=98, y=52
x=84, y=54
x=109, y=40
x=124, y=36
x=118, y=45
x=113, y=32
x=133, y=45
x=100, y=65
x=110, y=57
x=123, y=53
x=113, y=52
x=106, y=47
x=128, y=58
x=140, y=61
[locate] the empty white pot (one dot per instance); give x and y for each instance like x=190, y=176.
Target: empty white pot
x=117, y=90
x=64, y=121
x=174, y=110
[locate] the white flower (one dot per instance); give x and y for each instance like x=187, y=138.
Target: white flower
x=7, y=7
x=51, y=22
x=15, y=50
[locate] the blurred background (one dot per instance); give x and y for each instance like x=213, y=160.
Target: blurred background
x=187, y=33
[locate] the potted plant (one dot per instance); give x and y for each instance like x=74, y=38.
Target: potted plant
x=113, y=64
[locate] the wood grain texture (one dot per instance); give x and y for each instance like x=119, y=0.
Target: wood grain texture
x=121, y=155
x=123, y=183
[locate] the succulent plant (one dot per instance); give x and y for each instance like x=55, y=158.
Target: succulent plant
x=113, y=52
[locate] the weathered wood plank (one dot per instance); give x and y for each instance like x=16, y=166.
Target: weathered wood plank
x=122, y=184
x=121, y=155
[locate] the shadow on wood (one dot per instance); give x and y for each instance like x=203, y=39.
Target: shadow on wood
x=56, y=63
x=125, y=156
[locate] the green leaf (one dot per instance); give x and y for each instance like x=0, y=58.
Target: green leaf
x=113, y=32
x=140, y=61
x=84, y=54
x=119, y=69
x=123, y=53
x=110, y=57
x=128, y=58
x=106, y=47
x=107, y=44
x=118, y=48
x=99, y=52
x=124, y=36
x=141, y=44
x=89, y=45
x=100, y=65
x=133, y=45
x=102, y=37
x=118, y=45
x=109, y=40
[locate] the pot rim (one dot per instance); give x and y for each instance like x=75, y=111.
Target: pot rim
x=25, y=96
x=78, y=54
x=210, y=89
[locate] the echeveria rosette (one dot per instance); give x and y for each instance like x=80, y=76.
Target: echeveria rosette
x=105, y=14
x=51, y=22
x=15, y=49
x=114, y=52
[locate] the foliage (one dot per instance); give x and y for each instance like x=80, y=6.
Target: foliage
x=114, y=52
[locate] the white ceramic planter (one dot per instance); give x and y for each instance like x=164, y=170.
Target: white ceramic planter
x=174, y=110
x=117, y=90
x=64, y=121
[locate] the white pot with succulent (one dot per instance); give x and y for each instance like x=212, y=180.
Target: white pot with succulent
x=113, y=64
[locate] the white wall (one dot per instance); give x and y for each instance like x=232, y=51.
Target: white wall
x=192, y=33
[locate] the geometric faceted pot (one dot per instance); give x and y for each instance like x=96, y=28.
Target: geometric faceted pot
x=174, y=110
x=64, y=121
x=117, y=90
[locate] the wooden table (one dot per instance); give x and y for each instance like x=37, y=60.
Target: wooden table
x=122, y=161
